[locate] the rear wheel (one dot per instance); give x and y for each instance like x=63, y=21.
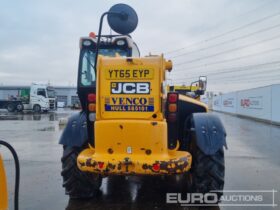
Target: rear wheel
x=77, y=184
x=208, y=171
x=11, y=107
x=207, y=174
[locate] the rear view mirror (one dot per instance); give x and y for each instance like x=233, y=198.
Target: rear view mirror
x=202, y=82
x=122, y=19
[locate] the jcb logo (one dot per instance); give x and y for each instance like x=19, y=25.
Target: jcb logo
x=130, y=88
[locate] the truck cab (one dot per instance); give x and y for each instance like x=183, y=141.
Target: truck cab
x=38, y=98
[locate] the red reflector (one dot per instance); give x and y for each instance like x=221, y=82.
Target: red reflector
x=156, y=166
x=100, y=165
x=172, y=117
x=91, y=97
x=172, y=97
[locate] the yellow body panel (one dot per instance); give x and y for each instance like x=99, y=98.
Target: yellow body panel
x=140, y=135
x=170, y=163
x=3, y=187
x=132, y=147
x=183, y=87
x=115, y=72
x=130, y=130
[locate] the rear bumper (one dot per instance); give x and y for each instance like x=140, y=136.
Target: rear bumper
x=174, y=162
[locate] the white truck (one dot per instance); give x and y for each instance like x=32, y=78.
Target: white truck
x=38, y=98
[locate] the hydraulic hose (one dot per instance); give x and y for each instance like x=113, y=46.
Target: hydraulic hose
x=17, y=171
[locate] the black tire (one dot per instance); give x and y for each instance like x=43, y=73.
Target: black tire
x=19, y=107
x=37, y=108
x=77, y=184
x=11, y=107
x=207, y=173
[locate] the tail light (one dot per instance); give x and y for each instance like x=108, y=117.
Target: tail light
x=91, y=106
x=172, y=107
x=172, y=117
x=92, y=98
x=172, y=97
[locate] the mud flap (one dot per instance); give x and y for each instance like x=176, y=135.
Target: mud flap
x=3, y=187
x=210, y=132
x=75, y=133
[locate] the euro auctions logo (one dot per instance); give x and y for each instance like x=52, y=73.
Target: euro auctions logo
x=192, y=198
x=241, y=198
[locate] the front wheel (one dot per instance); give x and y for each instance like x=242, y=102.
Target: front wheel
x=37, y=108
x=77, y=184
x=19, y=107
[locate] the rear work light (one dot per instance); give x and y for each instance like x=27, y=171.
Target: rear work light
x=92, y=98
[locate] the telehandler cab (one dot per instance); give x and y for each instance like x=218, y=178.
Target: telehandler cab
x=129, y=124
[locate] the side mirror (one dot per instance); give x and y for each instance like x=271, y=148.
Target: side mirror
x=122, y=19
x=202, y=82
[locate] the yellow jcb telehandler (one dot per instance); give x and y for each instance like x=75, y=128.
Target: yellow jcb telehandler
x=129, y=124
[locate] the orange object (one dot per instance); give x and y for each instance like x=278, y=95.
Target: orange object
x=3, y=187
x=92, y=35
x=172, y=107
x=92, y=107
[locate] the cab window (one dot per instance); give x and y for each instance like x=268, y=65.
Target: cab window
x=87, y=68
x=135, y=51
x=41, y=92
x=87, y=73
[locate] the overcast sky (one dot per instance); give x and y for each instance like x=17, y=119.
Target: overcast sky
x=236, y=43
